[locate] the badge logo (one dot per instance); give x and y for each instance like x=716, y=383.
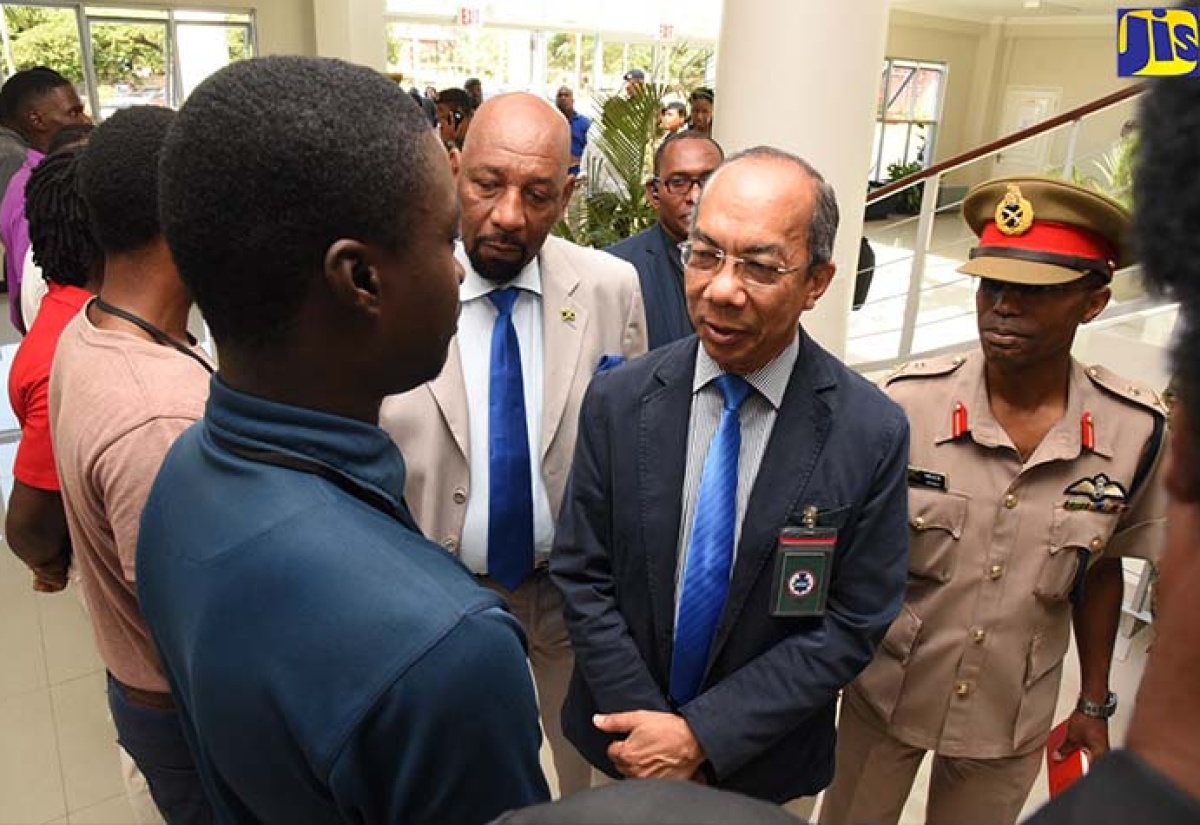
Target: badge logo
x=1158, y=42
x=801, y=583
x=1014, y=214
x=1100, y=494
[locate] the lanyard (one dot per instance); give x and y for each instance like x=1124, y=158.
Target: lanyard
x=340, y=480
x=154, y=332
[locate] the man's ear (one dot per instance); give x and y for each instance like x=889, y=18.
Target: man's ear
x=455, y=156
x=568, y=190
x=652, y=193
x=1097, y=301
x=819, y=278
x=352, y=278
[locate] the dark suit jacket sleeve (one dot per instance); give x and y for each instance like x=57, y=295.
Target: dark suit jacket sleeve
x=742, y=715
x=605, y=654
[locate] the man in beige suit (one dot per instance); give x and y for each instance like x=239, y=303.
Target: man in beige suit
x=489, y=443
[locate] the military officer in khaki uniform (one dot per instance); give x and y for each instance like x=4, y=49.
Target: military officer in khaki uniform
x=1030, y=476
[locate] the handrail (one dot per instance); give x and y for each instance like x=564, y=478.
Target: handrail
x=1005, y=142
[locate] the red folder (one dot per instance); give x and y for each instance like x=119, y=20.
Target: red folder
x=1062, y=774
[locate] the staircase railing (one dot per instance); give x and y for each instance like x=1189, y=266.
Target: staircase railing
x=896, y=332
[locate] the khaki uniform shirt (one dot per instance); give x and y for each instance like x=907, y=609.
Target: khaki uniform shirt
x=971, y=666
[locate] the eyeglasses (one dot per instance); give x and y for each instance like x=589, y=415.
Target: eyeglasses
x=710, y=260
x=682, y=184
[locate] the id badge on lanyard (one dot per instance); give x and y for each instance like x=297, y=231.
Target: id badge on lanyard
x=803, y=561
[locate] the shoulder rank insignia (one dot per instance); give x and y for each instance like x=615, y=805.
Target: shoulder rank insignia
x=1127, y=390
x=926, y=368
x=1014, y=214
x=1098, y=494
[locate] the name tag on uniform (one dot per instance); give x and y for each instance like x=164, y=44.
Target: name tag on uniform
x=926, y=478
x=803, y=560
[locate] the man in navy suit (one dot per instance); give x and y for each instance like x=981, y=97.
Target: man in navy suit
x=681, y=165
x=733, y=541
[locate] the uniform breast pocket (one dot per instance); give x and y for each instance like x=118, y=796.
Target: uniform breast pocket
x=936, y=520
x=1076, y=537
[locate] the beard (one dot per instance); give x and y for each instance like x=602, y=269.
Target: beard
x=498, y=270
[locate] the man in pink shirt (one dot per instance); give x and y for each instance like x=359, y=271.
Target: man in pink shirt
x=39, y=103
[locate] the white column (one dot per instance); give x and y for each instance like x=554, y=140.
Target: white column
x=352, y=30
x=803, y=76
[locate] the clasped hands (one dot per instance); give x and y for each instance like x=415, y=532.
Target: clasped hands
x=657, y=745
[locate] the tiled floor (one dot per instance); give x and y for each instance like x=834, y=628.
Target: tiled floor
x=58, y=760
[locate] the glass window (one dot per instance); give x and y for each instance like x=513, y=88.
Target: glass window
x=41, y=36
x=907, y=110
x=133, y=56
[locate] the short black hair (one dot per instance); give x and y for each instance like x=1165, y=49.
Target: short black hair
x=272, y=160
x=456, y=98
x=119, y=177
x=59, y=231
x=674, y=106
x=1165, y=216
x=472, y=81
x=24, y=88
x=701, y=93
x=1167, y=201
x=685, y=134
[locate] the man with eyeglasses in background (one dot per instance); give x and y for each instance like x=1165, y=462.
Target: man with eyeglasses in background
x=732, y=544
x=1030, y=477
x=681, y=165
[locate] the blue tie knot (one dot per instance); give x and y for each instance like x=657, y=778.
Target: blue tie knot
x=504, y=300
x=735, y=389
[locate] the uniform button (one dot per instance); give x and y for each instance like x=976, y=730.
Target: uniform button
x=962, y=689
x=1010, y=501
x=1096, y=544
x=1092, y=371
x=450, y=544
x=460, y=495
x=978, y=635
x=919, y=523
x=995, y=571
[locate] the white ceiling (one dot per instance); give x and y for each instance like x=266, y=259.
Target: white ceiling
x=988, y=10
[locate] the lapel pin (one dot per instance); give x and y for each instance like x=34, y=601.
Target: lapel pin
x=568, y=315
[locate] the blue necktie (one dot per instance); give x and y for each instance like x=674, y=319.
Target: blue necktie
x=710, y=551
x=510, y=485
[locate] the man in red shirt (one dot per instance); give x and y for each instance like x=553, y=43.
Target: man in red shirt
x=72, y=265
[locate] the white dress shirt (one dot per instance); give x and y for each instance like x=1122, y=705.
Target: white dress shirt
x=475, y=349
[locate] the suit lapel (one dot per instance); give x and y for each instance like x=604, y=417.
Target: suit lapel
x=799, y=434
x=450, y=394
x=563, y=323
x=662, y=459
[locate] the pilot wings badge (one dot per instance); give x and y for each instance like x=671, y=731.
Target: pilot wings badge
x=1098, y=494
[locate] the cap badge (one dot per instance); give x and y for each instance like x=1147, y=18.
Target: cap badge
x=1014, y=214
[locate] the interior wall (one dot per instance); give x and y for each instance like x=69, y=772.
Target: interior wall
x=283, y=26
x=984, y=60
x=1082, y=62
x=939, y=40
